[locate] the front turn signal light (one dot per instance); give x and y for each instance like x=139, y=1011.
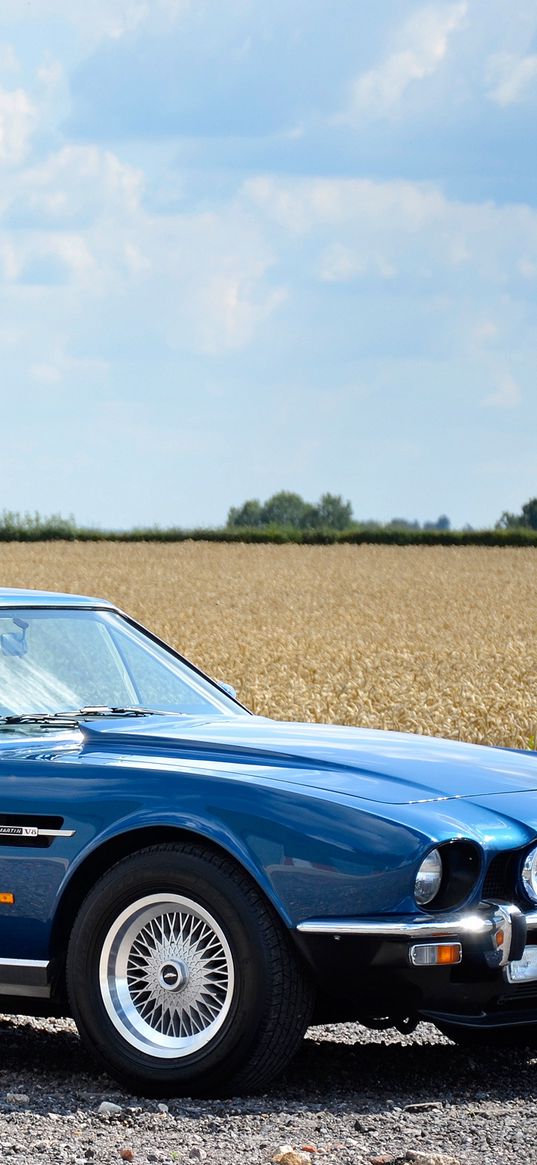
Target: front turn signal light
x=435, y=954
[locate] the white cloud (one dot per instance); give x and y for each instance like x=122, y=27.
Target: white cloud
x=9, y=62
x=76, y=183
x=17, y=120
x=422, y=46
x=218, y=265
x=60, y=366
x=47, y=258
x=340, y=264
x=225, y=311
x=99, y=20
x=357, y=227
x=209, y=282
x=513, y=79
x=10, y=263
x=507, y=394
x=51, y=75
x=77, y=218
x=485, y=331
x=302, y=205
x=45, y=373
x=73, y=251
x=527, y=267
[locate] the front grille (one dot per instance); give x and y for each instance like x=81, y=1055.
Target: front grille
x=501, y=877
x=519, y=993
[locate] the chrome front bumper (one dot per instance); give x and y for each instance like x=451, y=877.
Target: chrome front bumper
x=502, y=926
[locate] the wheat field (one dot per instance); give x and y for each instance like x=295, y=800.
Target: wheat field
x=441, y=641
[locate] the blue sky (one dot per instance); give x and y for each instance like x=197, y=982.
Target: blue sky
x=250, y=247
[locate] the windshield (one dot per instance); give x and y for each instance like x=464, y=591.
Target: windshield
x=62, y=660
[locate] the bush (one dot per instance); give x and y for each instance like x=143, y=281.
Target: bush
x=16, y=527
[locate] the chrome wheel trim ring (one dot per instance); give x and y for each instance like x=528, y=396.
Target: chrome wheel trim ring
x=166, y=976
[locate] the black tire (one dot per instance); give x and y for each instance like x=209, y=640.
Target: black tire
x=520, y=1036
x=182, y=924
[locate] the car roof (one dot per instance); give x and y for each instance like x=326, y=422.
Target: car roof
x=13, y=597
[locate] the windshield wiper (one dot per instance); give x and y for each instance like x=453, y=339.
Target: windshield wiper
x=61, y=719
x=46, y=719
x=103, y=710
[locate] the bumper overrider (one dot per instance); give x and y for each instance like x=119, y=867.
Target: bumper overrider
x=452, y=967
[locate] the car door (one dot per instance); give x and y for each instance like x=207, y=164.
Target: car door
x=39, y=837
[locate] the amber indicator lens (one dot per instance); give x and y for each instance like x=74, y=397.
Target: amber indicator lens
x=6, y=898
x=449, y=953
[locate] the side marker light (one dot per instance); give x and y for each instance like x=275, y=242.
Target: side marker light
x=6, y=898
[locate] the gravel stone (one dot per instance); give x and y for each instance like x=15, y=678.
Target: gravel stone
x=423, y=1106
x=354, y=1095
x=108, y=1108
x=420, y=1158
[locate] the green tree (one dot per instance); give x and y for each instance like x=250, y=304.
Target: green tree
x=402, y=524
x=284, y=509
x=508, y=521
x=247, y=515
x=289, y=509
x=527, y=518
x=442, y=523
x=529, y=514
x=334, y=512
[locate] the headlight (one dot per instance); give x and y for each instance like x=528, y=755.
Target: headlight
x=529, y=874
x=429, y=878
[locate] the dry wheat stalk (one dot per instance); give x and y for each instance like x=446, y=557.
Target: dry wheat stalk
x=435, y=640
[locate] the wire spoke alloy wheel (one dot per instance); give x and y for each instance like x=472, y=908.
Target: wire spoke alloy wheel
x=166, y=976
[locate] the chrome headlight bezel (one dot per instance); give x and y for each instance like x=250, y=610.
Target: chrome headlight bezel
x=428, y=879
x=529, y=874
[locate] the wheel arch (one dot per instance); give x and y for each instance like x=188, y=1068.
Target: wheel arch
x=112, y=850
x=262, y=997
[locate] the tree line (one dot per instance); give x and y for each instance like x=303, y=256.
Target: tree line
x=285, y=517
x=289, y=510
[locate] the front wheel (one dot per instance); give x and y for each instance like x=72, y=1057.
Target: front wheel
x=182, y=979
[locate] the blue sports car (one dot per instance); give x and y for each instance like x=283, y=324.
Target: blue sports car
x=196, y=885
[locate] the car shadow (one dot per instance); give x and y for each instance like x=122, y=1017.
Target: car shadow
x=377, y=1074
x=46, y=1061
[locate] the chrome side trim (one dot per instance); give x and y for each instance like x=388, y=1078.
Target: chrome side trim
x=531, y=919
x=42, y=963
x=56, y=832
x=27, y=977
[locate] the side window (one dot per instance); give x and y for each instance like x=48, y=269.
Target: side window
x=158, y=686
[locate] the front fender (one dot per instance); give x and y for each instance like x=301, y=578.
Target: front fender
x=309, y=852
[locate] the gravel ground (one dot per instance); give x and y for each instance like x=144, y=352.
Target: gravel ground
x=349, y=1096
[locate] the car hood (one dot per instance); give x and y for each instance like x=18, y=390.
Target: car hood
x=388, y=767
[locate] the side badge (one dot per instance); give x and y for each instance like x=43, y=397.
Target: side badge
x=33, y=831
